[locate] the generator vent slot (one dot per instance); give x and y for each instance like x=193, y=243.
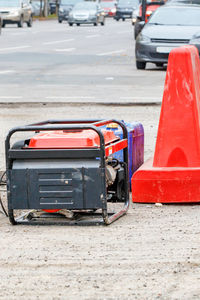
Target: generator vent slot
x=55, y=188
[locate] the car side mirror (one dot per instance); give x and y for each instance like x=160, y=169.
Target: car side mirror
x=141, y=25
x=139, y=18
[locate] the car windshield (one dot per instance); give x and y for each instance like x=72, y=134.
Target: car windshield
x=69, y=2
x=107, y=4
x=85, y=5
x=10, y=3
x=176, y=16
x=128, y=2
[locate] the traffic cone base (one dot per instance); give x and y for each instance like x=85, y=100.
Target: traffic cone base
x=165, y=184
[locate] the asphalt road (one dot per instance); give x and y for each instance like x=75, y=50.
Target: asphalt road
x=55, y=71
x=53, y=62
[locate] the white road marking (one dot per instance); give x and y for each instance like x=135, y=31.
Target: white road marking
x=7, y=71
x=18, y=33
x=14, y=48
x=65, y=50
x=109, y=78
x=58, y=42
x=92, y=36
x=11, y=97
x=73, y=97
x=111, y=52
x=139, y=98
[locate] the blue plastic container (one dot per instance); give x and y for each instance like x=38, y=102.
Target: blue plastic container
x=135, y=146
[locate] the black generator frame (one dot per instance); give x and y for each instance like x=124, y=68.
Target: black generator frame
x=52, y=125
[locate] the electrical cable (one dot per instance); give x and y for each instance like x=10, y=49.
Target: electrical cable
x=1, y=203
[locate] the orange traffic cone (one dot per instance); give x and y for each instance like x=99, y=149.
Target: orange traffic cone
x=173, y=175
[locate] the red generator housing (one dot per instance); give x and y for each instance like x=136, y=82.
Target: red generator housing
x=67, y=166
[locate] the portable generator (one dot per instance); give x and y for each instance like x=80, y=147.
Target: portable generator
x=67, y=168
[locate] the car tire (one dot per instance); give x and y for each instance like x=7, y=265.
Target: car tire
x=30, y=22
x=123, y=19
x=96, y=23
x=103, y=23
x=59, y=21
x=140, y=65
x=3, y=24
x=70, y=24
x=21, y=22
x=78, y=24
x=159, y=64
x=117, y=19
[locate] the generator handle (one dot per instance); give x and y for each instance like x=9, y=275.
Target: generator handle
x=96, y=122
x=56, y=127
x=65, y=121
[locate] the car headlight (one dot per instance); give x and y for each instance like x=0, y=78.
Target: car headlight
x=195, y=40
x=143, y=38
x=113, y=10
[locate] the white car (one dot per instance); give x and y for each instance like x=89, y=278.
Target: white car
x=16, y=12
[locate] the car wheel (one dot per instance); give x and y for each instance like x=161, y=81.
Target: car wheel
x=30, y=22
x=96, y=23
x=117, y=19
x=59, y=21
x=78, y=24
x=123, y=19
x=21, y=22
x=3, y=24
x=140, y=65
x=159, y=64
x=103, y=23
x=70, y=24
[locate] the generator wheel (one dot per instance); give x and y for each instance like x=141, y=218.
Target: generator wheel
x=11, y=217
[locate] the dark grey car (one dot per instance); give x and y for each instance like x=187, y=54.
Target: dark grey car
x=65, y=6
x=168, y=28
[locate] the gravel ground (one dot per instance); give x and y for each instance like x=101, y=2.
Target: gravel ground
x=152, y=253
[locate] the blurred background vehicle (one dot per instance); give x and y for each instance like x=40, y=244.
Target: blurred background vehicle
x=38, y=8
x=1, y=20
x=65, y=6
x=135, y=15
x=16, y=12
x=169, y=27
x=109, y=8
x=52, y=6
x=124, y=9
x=86, y=13
x=150, y=8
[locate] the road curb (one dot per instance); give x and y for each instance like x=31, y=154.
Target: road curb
x=95, y=103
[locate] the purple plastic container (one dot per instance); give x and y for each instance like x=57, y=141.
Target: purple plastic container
x=135, y=146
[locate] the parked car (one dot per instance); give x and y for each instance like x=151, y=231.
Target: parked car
x=52, y=7
x=124, y=9
x=65, y=6
x=169, y=27
x=16, y=12
x=86, y=13
x=109, y=8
